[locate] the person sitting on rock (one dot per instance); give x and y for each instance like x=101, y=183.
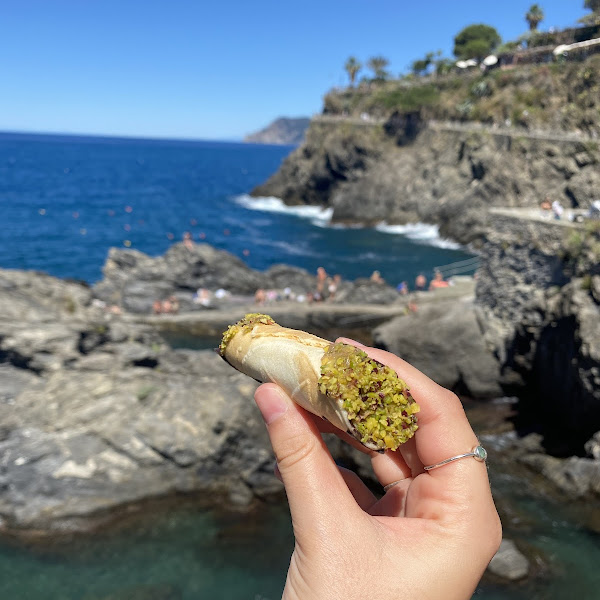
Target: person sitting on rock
x=402, y=288
x=545, y=206
x=557, y=209
x=202, y=297
x=438, y=281
x=420, y=283
x=188, y=242
x=377, y=278
x=321, y=280
x=332, y=286
x=260, y=296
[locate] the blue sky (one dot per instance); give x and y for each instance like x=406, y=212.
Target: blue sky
x=218, y=69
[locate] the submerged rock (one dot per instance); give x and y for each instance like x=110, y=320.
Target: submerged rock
x=509, y=563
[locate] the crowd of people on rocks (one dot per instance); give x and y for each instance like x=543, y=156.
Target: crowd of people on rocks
x=325, y=289
x=170, y=306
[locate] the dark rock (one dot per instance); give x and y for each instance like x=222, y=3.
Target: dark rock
x=574, y=477
x=441, y=174
x=543, y=324
x=328, y=157
x=365, y=291
x=283, y=276
x=134, y=281
x=583, y=187
x=445, y=341
x=592, y=446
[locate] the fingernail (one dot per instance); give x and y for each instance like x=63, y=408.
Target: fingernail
x=350, y=341
x=271, y=403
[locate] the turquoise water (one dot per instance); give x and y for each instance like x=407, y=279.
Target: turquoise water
x=183, y=553
x=188, y=552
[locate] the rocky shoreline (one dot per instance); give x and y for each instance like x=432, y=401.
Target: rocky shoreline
x=98, y=412
x=371, y=172
x=538, y=289
x=100, y=415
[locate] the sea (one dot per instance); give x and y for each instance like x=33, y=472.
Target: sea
x=64, y=202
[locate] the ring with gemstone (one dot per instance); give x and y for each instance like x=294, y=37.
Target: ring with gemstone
x=479, y=453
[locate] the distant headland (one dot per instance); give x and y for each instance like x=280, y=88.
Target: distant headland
x=282, y=131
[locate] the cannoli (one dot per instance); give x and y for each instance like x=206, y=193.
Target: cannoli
x=335, y=381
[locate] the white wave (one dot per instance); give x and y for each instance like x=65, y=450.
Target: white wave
x=287, y=247
x=315, y=214
x=421, y=233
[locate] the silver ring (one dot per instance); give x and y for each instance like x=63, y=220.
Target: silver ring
x=389, y=485
x=479, y=453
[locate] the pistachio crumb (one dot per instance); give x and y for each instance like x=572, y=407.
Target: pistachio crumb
x=247, y=322
x=376, y=400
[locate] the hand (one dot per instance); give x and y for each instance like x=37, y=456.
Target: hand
x=429, y=537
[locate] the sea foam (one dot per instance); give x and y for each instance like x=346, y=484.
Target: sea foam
x=420, y=233
x=315, y=214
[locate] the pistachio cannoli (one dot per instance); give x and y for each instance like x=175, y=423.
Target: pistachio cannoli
x=335, y=381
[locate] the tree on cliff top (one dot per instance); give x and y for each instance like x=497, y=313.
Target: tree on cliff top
x=534, y=16
x=378, y=65
x=420, y=66
x=476, y=41
x=594, y=17
x=352, y=67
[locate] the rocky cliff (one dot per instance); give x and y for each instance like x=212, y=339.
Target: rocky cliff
x=284, y=131
x=449, y=174
x=537, y=304
x=539, y=290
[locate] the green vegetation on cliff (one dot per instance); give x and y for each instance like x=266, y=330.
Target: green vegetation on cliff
x=557, y=97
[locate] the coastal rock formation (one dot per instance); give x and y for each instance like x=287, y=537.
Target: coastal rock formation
x=284, y=131
x=542, y=320
x=133, y=280
x=329, y=156
x=445, y=341
x=538, y=289
x=97, y=412
x=449, y=175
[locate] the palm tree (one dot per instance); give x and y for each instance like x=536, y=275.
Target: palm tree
x=352, y=67
x=534, y=15
x=378, y=65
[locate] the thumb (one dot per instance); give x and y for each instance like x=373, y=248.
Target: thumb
x=315, y=488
